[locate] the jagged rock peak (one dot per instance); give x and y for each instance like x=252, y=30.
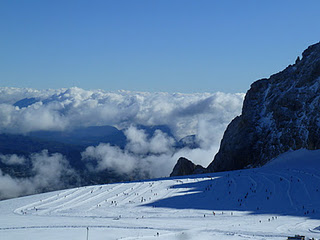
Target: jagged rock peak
x=186, y=167
x=278, y=114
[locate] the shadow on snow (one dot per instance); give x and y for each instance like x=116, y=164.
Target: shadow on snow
x=252, y=190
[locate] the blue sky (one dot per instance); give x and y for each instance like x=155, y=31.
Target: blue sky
x=144, y=45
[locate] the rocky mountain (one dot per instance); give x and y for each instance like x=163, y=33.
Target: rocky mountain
x=280, y=113
x=186, y=167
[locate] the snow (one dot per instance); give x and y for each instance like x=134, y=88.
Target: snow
x=272, y=202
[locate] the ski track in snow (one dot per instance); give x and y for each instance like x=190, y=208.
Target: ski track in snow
x=260, y=203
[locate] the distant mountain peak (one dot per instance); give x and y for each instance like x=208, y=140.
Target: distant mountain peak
x=26, y=102
x=185, y=167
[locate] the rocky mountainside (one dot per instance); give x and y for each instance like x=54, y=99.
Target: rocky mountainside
x=278, y=114
x=186, y=167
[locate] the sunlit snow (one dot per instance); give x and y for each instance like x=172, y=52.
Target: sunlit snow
x=272, y=202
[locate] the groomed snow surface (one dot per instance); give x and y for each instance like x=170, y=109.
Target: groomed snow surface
x=278, y=200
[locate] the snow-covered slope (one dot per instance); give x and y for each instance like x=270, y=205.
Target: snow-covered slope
x=272, y=202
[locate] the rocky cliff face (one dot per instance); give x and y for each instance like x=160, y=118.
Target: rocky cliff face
x=279, y=114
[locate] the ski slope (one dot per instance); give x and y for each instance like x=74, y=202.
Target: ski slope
x=272, y=202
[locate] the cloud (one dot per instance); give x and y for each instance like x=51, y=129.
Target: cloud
x=204, y=115
x=10, y=95
x=144, y=156
x=105, y=156
x=139, y=143
x=68, y=108
x=48, y=172
x=160, y=143
x=36, y=117
x=12, y=159
x=13, y=187
x=140, y=156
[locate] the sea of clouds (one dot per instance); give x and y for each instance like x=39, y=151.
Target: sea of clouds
x=205, y=115
x=50, y=173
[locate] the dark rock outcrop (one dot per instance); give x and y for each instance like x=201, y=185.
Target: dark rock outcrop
x=186, y=167
x=278, y=114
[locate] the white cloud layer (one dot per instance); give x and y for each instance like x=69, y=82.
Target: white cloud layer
x=49, y=171
x=67, y=108
x=12, y=159
x=150, y=157
x=205, y=115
